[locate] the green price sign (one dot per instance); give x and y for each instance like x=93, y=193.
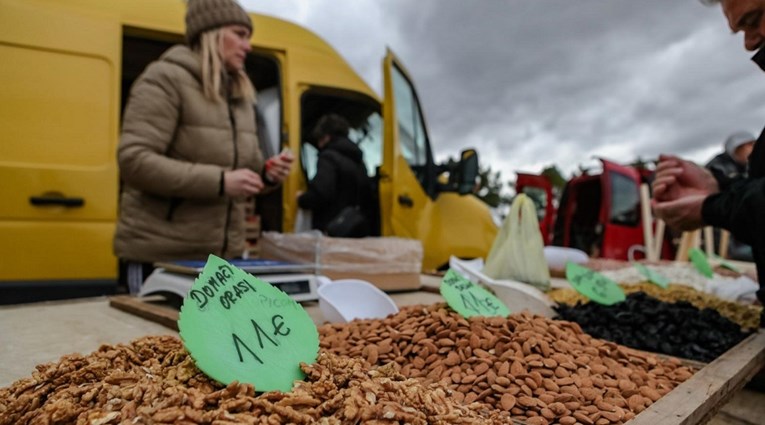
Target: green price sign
x=725, y=264
x=238, y=327
x=652, y=276
x=594, y=285
x=700, y=262
x=469, y=299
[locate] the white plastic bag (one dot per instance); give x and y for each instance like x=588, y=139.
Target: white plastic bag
x=742, y=289
x=518, y=250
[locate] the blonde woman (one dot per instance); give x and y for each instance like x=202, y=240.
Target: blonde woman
x=188, y=154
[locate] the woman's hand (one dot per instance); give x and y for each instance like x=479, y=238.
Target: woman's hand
x=242, y=182
x=278, y=167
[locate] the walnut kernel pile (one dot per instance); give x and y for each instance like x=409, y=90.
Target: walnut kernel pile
x=153, y=381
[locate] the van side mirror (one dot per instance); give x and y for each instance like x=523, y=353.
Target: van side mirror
x=464, y=178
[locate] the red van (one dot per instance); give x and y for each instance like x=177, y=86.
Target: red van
x=540, y=190
x=597, y=213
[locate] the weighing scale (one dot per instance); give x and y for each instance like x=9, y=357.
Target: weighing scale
x=296, y=280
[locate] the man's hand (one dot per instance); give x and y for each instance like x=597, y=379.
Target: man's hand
x=677, y=178
x=278, y=167
x=242, y=182
x=681, y=214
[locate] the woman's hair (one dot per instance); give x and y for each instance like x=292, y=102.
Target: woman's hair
x=209, y=48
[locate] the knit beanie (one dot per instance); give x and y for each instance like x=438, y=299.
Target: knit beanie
x=737, y=139
x=203, y=15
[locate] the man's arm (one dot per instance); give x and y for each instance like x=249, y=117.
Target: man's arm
x=738, y=209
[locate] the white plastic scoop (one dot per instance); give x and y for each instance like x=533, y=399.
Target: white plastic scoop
x=343, y=300
x=517, y=296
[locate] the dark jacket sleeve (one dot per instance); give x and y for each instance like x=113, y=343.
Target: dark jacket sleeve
x=738, y=209
x=724, y=181
x=725, y=170
x=321, y=189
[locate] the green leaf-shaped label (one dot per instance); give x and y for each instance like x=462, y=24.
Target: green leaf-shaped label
x=652, y=275
x=700, y=262
x=469, y=299
x=721, y=261
x=238, y=327
x=594, y=285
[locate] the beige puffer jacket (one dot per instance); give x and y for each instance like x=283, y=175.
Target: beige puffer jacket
x=175, y=145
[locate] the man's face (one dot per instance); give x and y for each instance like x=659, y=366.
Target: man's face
x=747, y=16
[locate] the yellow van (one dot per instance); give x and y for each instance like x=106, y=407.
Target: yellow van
x=66, y=68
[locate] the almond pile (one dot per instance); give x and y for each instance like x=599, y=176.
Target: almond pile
x=541, y=371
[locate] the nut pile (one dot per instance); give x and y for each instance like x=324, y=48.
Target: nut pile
x=541, y=371
x=676, y=272
x=153, y=381
x=746, y=316
x=645, y=323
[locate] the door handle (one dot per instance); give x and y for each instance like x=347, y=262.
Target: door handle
x=405, y=201
x=42, y=201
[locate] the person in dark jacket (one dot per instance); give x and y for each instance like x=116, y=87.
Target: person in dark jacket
x=727, y=168
x=341, y=178
x=688, y=197
x=730, y=165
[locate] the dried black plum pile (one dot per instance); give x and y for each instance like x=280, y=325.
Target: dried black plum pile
x=645, y=323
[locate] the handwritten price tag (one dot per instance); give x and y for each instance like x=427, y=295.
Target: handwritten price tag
x=652, y=276
x=238, y=327
x=594, y=285
x=469, y=299
x=700, y=262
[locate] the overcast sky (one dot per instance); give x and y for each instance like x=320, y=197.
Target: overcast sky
x=530, y=83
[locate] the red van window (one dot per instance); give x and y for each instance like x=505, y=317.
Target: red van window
x=625, y=200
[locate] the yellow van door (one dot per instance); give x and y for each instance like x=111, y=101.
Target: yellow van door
x=414, y=202
x=59, y=101
x=407, y=177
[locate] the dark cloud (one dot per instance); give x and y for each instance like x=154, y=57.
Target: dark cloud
x=536, y=82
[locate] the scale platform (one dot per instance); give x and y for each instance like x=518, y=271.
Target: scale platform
x=299, y=281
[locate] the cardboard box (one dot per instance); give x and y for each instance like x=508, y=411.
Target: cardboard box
x=391, y=264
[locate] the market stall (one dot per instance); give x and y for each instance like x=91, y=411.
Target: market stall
x=42, y=333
